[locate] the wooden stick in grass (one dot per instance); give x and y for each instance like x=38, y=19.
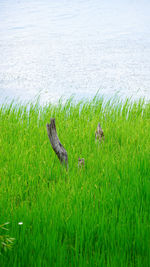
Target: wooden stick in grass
x=56, y=145
x=81, y=162
x=99, y=134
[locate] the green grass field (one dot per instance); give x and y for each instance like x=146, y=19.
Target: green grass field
x=98, y=215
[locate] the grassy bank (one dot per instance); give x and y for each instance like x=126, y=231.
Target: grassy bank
x=95, y=216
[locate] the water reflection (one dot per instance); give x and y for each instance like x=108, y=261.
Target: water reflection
x=65, y=47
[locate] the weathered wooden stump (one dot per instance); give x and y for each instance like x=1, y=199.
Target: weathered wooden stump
x=99, y=134
x=56, y=145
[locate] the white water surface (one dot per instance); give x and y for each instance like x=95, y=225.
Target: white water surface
x=64, y=47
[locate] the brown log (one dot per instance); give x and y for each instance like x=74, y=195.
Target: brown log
x=56, y=145
x=99, y=134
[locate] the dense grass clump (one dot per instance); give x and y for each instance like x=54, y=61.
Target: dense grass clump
x=93, y=216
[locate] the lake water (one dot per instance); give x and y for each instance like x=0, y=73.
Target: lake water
x=64, y=47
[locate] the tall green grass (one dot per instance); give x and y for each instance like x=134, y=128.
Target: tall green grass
x=94, y=216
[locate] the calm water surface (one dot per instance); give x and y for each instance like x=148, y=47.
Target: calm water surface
x=64, y=47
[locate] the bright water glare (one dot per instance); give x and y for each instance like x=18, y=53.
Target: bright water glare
x=64, y=47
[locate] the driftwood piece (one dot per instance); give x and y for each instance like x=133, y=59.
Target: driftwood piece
x=99, y=134
x=56, y=145
x=81, y=162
